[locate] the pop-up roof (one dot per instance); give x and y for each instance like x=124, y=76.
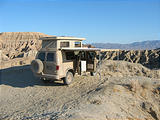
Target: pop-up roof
x=81, y=49
x=62, y=38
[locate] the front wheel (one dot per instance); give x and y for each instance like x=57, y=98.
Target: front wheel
x=68, y=79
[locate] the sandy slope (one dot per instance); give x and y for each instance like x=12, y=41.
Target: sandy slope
x=22, y=96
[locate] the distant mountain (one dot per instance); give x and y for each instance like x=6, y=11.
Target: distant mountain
x=144, y=45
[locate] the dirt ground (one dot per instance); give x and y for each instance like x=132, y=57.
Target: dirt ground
x=115, y=96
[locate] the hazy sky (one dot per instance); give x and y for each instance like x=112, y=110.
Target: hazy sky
x=114, y=21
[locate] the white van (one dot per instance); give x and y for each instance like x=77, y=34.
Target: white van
x=60, y=58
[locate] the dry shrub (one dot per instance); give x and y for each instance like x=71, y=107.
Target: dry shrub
x=115, y=90
x=146, y=84
x=146, y=88
x=129, y=118
x=141, y=87
x=157, y=90
x=118, y=88
x=96, y=102
x=135, y=86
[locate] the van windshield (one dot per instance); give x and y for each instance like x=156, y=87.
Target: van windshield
x=41, y=56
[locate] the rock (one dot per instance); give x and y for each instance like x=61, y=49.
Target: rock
x=148, y=58
x=31, y=53
x=14, y=44
x=151, y=109
x=3, y=57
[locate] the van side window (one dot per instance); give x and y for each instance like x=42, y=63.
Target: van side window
x=70, y=55
x=41, y=56
x=77, y=44
x=64, y=44
x=50, y=57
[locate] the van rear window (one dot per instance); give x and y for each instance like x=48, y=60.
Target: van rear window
x=41, y=56
x=50, y=57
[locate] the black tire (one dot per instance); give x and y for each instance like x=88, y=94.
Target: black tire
x=68, y=79
x=92, y=73
x=37, y=66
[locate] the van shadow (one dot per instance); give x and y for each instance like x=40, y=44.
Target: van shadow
x=22, y=76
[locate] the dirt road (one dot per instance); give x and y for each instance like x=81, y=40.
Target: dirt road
x=23, y=95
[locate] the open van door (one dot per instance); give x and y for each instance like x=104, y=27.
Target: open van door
x=84, y=59
x=91, y=61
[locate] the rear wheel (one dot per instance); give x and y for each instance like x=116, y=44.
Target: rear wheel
x=68, y=79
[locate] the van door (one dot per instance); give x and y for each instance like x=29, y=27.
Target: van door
x=91, y=61
x=50, y=63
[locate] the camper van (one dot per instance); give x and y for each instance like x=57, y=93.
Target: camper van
x=60, y=58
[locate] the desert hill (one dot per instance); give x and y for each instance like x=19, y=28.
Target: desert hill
x=148, y=58
x=16, y=44
x=18, y=48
